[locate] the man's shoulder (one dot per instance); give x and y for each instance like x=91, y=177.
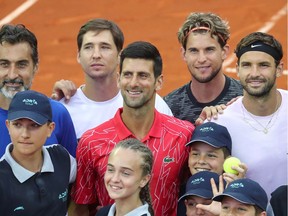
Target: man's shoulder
x=283, y=92
x=174, y=95
x=57, y=106
x=103, y=129
x=77, y=99
x=59, y=112
x=173, y=122
x=97, y=138
x=3, y=114
x=231, y=114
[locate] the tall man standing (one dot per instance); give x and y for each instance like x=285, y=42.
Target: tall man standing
x=139, y=79
x=99, y=42
x=203, y=37
x=257, y=122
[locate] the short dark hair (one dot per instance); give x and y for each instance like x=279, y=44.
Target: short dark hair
x=143, y=50
x=101, y=25
x=14, y=34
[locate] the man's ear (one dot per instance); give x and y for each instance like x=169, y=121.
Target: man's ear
x=183, y=51
x=118, y=80
x=159, y=82
x=225, y=51
x=279, y=69
x=237, y=69
x=78, y=57
x=36, y=67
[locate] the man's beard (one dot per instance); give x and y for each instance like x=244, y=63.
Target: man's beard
x=265, y=90
x=9, y=92
x=207, y=79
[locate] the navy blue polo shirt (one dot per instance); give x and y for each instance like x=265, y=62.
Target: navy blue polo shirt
x=43, y=193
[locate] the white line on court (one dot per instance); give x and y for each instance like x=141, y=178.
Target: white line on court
x=267, y=27
x=18, y=11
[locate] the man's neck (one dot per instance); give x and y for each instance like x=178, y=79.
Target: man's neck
x=207, y=92
x=138, y=121
x=263, y=106
x=100, y=90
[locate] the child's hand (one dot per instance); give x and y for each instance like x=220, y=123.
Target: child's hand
x=242, y=169
x=215, y=207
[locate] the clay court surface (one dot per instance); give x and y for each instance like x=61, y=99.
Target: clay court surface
x=56, y=24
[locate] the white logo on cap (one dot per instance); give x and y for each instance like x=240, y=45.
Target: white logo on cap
x=30, y=102
x=257, y=45
x=237, y=185
x=206, y=129
x=197, y=181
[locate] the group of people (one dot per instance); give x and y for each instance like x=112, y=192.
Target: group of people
x=136, y=153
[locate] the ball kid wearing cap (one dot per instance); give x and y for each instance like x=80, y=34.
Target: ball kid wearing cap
x=209, y=146
x=243, y=197
x=29, y=122
x=199, y=191
x=34, y=179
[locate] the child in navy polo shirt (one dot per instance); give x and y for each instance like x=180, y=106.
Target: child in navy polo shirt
x=34, y=179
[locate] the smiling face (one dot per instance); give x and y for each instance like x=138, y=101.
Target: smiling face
x=98, y=55
x=204, y=56
x=137, y=83
x=203, y=157
x=16, y=68
x=257, y=73
x=124, y=175
x=230, y=206
x=27, y=136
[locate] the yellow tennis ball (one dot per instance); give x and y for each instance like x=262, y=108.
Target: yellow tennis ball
x=229, y=162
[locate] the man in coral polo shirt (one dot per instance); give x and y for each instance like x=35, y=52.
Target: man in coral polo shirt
x=139, y=79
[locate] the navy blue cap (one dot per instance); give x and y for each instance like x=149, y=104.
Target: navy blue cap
x=199, y=185
x=213, y=134
x=245, y=191
x=31, y=105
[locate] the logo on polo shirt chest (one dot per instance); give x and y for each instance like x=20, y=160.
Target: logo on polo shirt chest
x=63, y=195
x=19, y=208
x=168, y=159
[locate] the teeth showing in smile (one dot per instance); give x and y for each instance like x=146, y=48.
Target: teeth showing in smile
x=201, y=169
x=115, y=187
x=12, y=88
x=134, y=92
x=203, y=68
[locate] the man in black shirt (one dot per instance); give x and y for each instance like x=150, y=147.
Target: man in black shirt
x=203, y=37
